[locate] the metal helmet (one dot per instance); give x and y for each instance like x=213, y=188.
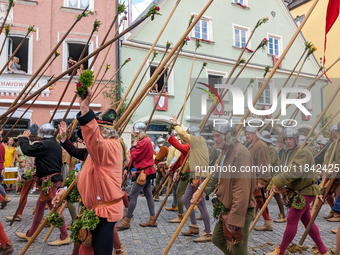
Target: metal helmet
x=290, y=132
x=301, y=139
x=46, y=130
x=250, y=129
x=243, y=139
x=210, y=144
x=333, y=127
x=139, y=126
x=194, y=131
x=322, y=141
x=265, y=136
x=225, y=128
x=160, y=141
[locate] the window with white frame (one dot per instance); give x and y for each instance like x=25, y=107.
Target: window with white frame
x=274, y=45
x=79, y=4
x=158, y=86
x=20, y=62
x=265, y=98
x=203, y=29
x=73, y=53
x=216, y=78
x=241, y=35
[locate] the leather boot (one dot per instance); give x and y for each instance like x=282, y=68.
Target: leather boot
x=125, y=224
x=7, y=198
x=275, y=252
x=193, y=230
x=267, y=226
x=281, y=218
x=120, y=251
x=60, y=242
x=178, y=219
x=319, y=253
x=17, y=218
x=204, y=237
x=334, y=231
x=3, y=203
x=199, y=217
x=172, y=209
x=7, y=250
x=150, y=223
x=335, y=218
x=330, y=215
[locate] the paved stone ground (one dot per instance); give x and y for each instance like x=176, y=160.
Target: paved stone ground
x=138, y=240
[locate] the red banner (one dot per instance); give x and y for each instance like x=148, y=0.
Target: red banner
x=162, y=104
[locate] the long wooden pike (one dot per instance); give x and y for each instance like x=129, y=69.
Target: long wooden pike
x=13, y=108
x=43, y=64
x=328, y=122
x=147, y=57
x=71, y=77
x=316, y=155
x=163, y=87
x=322, y=184
x=192, y=206
x=21, y=202
x=126, y=121
x=102, y=64
x=318, y=208
x=308, y=88
x=4, y=22
x=51, y=228
x=272, y=72
x=14, y=52
x=42, y=225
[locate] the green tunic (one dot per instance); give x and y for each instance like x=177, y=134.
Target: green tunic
x=295, y=178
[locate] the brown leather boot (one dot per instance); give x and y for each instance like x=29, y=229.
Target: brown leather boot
x=193, y=230
x=281, y=218
x=125, y=224
x=7, y=198
x=172, y=209
x=178, y=219
x=205, y=237
x=120, y=251
x=330, y=215
x=199, y=217
x=150, y=223
x=267, y=226
x=7, y=250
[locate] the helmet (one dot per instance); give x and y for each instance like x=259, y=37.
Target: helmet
x=243, y=139
x=160, y=141
x=34, y=129
x=225, y=128
x=333, y=128
x=301, y=139
x=265, y=136
x=46, y=130
x=250, y=129
x=290, y=132
x=322, y=141
x=139, y=126
x=194, y=131
x=210, y=144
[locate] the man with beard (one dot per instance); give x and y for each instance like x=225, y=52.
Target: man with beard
x=234, y=194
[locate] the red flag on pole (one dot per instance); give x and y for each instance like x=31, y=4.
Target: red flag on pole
x=333, y=11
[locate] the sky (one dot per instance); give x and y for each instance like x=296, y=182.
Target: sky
x=139, y=6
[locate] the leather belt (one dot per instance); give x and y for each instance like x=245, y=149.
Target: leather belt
x=107, y=203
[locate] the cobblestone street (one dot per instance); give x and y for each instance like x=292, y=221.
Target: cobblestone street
x=138, y=240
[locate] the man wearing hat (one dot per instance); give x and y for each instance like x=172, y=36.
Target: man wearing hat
x=48, y=163
x=301, y=187
x=234, y=194
x=261, y=157
x=199, y=160
x=275, y=162
x=161, y=156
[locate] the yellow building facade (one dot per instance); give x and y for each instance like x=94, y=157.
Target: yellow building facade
x=314, y=31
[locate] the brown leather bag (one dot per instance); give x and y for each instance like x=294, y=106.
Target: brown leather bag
x=44, y=196
x=85, y=237
x=196, y=183
x=232, y=236
x=141, y=180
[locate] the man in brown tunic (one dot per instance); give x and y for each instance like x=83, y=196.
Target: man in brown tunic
x=261, y=159
x=235, y=189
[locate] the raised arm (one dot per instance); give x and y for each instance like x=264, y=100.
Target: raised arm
x=78, y=153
